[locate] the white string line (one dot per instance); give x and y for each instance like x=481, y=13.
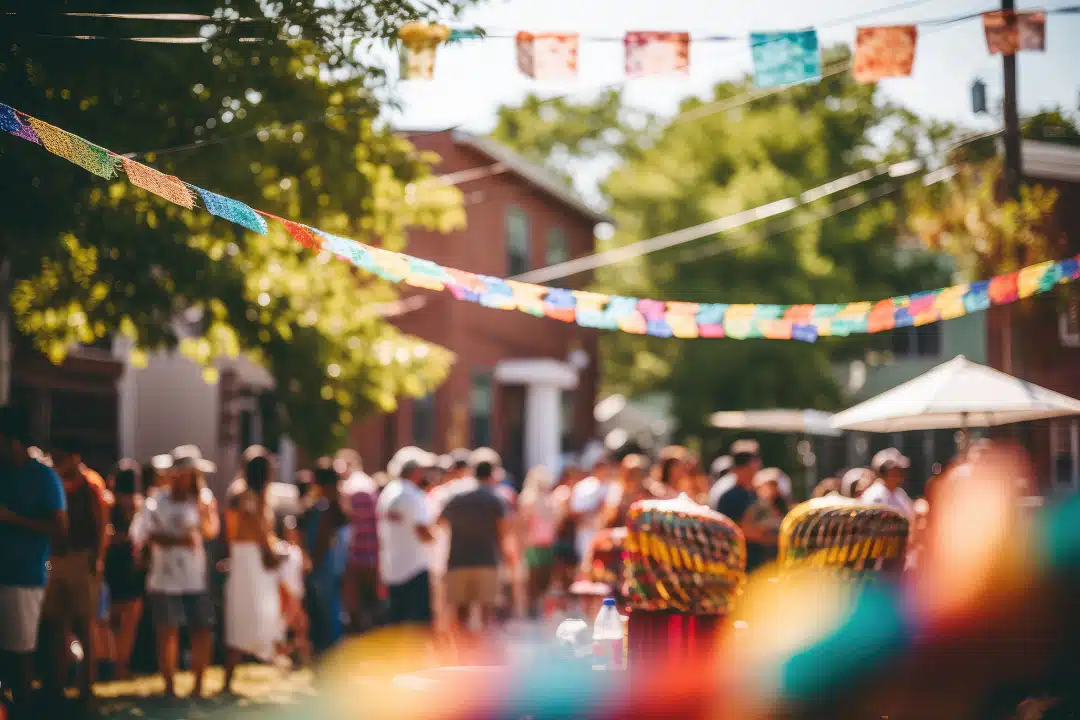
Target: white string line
x=736, y=220
x=718, y=106
x=823, y=213
x=711, y=227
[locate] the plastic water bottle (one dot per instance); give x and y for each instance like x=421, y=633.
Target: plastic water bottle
x=608, y=637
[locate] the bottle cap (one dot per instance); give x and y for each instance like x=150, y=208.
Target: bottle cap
x=609, y=602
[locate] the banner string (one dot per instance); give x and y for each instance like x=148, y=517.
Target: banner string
x=640, y=316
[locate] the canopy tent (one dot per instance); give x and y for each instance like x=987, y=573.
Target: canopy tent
x=806, y=422
x=956, y=394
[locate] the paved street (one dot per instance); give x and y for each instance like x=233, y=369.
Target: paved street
x=262, y=692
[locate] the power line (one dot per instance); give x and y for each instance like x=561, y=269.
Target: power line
x=835, y=208
x=608, y=86
x=733, y=221
x=696, y=232
x=718, y=106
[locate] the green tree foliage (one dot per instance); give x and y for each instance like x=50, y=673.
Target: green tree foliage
x=276, y=109
x=969, y=218
x=703, y=165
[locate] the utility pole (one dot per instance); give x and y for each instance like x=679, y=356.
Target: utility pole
x=1013, y=163
x=1013, y=170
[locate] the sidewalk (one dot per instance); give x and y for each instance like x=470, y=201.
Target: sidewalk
x=260, y=691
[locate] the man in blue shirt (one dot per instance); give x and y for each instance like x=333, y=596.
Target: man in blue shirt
x=32, y=512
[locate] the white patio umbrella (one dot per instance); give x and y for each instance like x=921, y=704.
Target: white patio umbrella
x=956, y=394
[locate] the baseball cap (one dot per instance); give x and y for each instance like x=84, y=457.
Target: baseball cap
x=850, y=482
x=419, y=462
x=402, y=456
x=745, y=447
x=888, y=459
x=768, y=475
x=485, y=454
x=460, y=458
x=721, y=465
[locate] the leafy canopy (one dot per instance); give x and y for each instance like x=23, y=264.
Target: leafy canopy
x=285, y=123
x=969, y=218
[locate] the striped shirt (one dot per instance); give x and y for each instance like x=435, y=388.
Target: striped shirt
x=364, y=534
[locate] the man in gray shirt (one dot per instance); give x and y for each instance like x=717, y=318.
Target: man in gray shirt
x=476, y=520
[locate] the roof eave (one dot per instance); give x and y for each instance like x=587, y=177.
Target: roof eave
x=531, y=173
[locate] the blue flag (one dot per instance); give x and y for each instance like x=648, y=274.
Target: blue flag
x=783, y=58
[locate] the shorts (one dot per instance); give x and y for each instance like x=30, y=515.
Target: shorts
x=195, y=611
x=361, y=589
x=565, y=552
x=20, y=611
x=468, y=585
x=410, y=602
x=73, y=590
x=539, y=556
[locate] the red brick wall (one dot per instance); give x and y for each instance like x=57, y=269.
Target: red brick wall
x=1042, y=358
x=481, y=337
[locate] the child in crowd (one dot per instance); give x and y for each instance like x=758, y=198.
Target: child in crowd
x=291, y=573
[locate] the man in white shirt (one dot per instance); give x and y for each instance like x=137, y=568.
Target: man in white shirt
x=404, y=532
x=587, y=500
x=722, y=478
x=891, y=467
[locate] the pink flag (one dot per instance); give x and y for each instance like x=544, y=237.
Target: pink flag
x=652, y=53
x=548, y=56
x=1008, y=32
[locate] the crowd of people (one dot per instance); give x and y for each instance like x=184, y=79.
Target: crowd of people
x=445, y=542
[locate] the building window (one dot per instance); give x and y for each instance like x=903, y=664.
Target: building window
x=423, y=421
x=1065, y=454
x=517, y=241
x=558, y=247
x=1069, y=324
x=915, y=342
x=481, y=396
x=566, y=410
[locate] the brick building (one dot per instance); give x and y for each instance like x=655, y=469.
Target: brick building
x=1045, y=347
x=523, y=385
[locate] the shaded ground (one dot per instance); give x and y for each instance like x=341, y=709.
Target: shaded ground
x=262, y=692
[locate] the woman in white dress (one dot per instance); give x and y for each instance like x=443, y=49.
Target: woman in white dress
x=253, y=619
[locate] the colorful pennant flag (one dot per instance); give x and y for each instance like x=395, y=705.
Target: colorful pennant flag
x=882, y=52
x=547, y=56
x=419, y=42
x=11, y=122
x=232, y=210
x=640, y=316
x=652, y=53
x=1008, y=32
x=169, y=187
x=306, y=236
x=785, y=58
x=73, y=148
x=418, y=63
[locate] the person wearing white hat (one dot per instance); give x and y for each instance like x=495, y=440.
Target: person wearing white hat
x=891, y=468
x=179, y=520
x=765, y=515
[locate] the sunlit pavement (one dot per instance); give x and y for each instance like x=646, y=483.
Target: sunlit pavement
x=363, y=666
x=261, y=691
